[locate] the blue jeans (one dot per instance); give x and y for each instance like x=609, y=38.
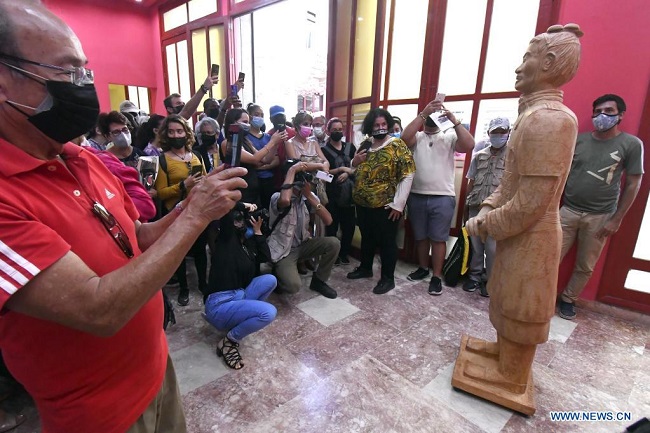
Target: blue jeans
x=244, y=311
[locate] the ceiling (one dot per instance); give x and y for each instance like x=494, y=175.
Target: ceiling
x=142, y=4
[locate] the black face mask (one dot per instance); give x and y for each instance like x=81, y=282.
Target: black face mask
x=208, y=140
x=67, y=112
x=263, y=128
x=380, y=134
x=336, y=136
x=177, y=142
x=177, y=109
x=212, y=113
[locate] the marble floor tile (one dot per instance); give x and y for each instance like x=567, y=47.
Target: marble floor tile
x=490, y=417
x=327, y=311
x=365, y=396
x=197, y=365
x=340, y=344
x=561, y=329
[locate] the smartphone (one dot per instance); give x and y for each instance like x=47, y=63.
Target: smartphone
x=324, y=176
x=233, y=156
x=440, y=97
x=241, y=77
x=281, y=127
x=196, y=169
x=234, y=89
x=364, y=146
x=214, y=70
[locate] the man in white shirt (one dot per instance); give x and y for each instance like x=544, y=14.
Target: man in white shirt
x=432, y=200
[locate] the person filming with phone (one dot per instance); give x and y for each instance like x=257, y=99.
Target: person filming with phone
x=432, y=200
x=181, y=171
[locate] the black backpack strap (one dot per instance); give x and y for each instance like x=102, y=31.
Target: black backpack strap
x=283, y=214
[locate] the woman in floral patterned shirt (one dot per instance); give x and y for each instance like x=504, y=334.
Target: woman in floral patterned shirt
x=384, y=172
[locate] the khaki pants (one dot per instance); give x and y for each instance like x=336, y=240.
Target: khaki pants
x=582, y=226
x=165, y=413
x=286, y=270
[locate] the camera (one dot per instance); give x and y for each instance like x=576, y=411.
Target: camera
x=260, y=213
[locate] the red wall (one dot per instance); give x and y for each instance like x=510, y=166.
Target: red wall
x=614, y=60
x=122, y=44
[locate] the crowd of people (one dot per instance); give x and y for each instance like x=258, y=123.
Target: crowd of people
x=298, y=186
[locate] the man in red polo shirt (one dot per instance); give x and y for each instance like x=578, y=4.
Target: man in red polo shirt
x=80, y=277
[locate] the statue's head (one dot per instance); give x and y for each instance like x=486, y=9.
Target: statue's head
x=551, y=59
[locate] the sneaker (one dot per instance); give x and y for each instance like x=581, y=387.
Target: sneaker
x=183, y=297
x=321, y=287
x=471, y=285
x=418, y=274
x=567, y=310
x=482, y=290
x=344, y=260
x=435, y=286
x=384, y=285
x=359, y=272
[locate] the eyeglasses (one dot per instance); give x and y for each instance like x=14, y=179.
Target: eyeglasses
x=113, y=228
x=117, y=132
x=79, y=76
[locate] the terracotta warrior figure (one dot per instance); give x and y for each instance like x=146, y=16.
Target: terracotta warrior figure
x=522, y=216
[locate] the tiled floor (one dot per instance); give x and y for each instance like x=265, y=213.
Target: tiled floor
x=368, y=363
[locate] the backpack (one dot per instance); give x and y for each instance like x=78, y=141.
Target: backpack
x=343, y=191
x=457, y=262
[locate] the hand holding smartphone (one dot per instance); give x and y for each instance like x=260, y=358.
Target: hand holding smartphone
x=214, y=70
x=233, y=156
x=196, y=169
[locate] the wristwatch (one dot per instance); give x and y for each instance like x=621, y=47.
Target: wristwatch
x=205, y=89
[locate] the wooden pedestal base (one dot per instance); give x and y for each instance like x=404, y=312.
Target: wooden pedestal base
x=523, y=403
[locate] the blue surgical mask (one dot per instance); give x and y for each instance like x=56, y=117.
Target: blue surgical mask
x=498, y=140
x=397, y=134
x=257, y=122
x=604, y=122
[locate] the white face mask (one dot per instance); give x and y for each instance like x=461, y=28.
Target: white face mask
x=318, y=131
x=123, y=140
x=498, y=140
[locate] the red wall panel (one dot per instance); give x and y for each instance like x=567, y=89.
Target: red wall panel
x=122, y=43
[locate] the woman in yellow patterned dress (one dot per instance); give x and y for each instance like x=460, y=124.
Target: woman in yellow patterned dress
x=384, y=173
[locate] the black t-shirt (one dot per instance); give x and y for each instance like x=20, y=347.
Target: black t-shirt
x=337, y=160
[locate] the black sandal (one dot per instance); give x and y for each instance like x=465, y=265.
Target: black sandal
x=230, y=352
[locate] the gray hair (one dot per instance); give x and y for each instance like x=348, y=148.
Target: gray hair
x=200, y=123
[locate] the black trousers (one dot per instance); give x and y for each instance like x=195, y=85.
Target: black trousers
x=378, y=231
x=200, y=261
x=343, y=217
x=267, y=189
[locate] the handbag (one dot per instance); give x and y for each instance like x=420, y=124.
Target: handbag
x=457, y=262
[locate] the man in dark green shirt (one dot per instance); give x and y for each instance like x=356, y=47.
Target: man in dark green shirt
x=592, y=209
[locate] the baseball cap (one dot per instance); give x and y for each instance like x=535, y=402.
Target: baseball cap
x=129, y=107
x=275, y=110
x=498, y=122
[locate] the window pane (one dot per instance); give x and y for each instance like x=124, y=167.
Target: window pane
x=359, y=111
x=638, y=281
x=143, y=99
x=172, y=70
x=342, y=49
x=514, y=34
x=405, y=112
x=132, y=95
x=461, y=47
x=201, y=8
x=175, y=17
x=244, y=41
x=200, y=61
x=364, y=48
x=218, y=56
x=491, y=108
x=642, y=249
x=408, y=48
x=184, y=70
